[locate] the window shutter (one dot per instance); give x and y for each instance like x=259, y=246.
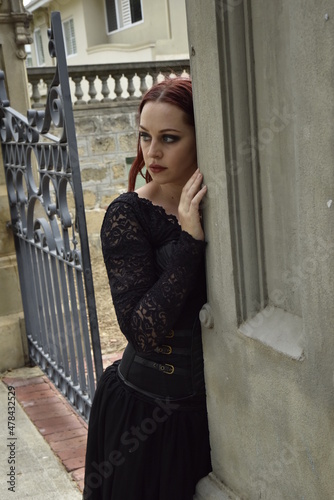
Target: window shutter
x=122, y=13
x=126, y=12
x=70, y=41
x=72, y=37
x=39, y=48
x=111, y=15
x=136, y=13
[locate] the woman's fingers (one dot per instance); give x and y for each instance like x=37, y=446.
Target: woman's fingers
x=189, y=211
x=192, y=192
x=199, y=196
x=193, y=184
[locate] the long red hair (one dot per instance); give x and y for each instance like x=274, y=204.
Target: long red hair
x=176, y=91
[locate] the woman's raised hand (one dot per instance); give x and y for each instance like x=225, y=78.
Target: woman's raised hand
x=189, y=206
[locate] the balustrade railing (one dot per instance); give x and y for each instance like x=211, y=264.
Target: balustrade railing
x=105, y=83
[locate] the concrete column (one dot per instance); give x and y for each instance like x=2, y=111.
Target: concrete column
x=263, y=90
x=14, y=34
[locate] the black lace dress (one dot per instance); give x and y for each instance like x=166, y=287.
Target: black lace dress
x=148, y=432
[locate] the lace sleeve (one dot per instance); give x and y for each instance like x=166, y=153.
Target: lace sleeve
x=146, y=305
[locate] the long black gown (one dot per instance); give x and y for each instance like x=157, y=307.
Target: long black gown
x=148, y=434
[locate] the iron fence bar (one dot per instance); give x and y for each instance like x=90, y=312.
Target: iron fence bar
x=44, y=297
x=45, y=294
x=77, y=328
x=51, y=305
x=57, y=48
x=41, y=318
x=69, y=327
x=28, y=297
x=45, y=342
x=55, y=354
x=86, y=345
x=59, y=302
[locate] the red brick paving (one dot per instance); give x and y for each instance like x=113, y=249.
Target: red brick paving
x=57, y=437
x=56, y=420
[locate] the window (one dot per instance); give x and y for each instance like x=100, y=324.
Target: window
x=29, y=63
x=123, y=13
x=39, y=47
x=69, y=36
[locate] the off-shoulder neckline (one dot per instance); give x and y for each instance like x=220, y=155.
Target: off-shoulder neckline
x=158, y=208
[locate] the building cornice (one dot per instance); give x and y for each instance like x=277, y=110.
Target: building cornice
x=20, y=18
x=37, y=4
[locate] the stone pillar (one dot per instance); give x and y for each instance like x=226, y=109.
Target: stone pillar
x=14, y=34
x=264, y=107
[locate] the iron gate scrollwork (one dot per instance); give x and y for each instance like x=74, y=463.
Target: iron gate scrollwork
x=48, y=220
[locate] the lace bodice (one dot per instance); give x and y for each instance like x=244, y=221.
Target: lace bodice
x=148, y=299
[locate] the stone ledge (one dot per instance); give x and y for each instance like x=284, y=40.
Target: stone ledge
x=12, y=342
x=210, y=488
x=278, y=329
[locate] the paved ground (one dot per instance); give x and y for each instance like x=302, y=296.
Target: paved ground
x=42, y=439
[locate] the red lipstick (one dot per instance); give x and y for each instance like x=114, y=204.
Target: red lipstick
x=155, y=168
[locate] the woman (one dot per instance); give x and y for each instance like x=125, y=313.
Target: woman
x=148, y=433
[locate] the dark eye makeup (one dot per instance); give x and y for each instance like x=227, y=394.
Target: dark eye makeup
x=144, y=136
x=167, y=138
x=170, y=138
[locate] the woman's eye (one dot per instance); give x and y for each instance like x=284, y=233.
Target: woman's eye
x=170, y=138
x=144, y=136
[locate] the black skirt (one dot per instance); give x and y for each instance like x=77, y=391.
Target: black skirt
x=143, y=448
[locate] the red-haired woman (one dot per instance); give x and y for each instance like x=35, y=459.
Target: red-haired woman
x=148, y=434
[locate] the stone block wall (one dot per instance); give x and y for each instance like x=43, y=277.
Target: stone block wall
x=107, y=141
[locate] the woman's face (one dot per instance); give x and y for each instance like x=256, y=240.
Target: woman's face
x=168, y=143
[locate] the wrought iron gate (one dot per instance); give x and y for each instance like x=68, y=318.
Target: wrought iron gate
x=48, y=220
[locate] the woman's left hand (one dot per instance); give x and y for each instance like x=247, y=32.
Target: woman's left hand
x=189, y=206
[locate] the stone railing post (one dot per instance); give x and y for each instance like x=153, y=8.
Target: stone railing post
x=106, y=83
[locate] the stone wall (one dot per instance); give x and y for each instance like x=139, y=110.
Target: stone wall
x=107, y=141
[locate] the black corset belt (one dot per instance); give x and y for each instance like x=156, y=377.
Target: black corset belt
x=165, y=368
x=173, y=369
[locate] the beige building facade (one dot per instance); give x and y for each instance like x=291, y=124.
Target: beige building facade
x=104, y=31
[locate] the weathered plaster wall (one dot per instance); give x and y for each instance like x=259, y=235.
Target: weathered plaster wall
x=269, y=380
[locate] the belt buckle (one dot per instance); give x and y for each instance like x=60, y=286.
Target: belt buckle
x=162, y=368
x=171, y=371
x=164, y=349
x=168, y=349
